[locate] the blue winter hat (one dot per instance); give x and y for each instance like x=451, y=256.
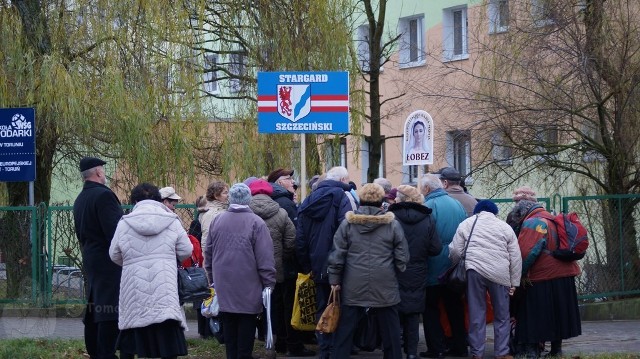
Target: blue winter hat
x=239, y=193
x=487, y=206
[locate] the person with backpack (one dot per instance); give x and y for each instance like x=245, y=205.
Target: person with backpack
x=547, y=304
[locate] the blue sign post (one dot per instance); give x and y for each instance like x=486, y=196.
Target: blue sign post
x=17, y=145
x=303, y=102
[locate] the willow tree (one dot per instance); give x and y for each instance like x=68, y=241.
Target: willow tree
x=247, y=36
x=557, y=87
x=106, y=78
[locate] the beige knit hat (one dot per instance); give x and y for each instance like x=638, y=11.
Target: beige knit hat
x=409, y=194
x=524, y=193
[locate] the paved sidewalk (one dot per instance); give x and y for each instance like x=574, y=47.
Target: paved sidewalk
x=597, y=337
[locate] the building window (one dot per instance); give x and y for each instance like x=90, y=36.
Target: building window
x=546, y=141
x=362, y=47
x=410, y=174
x=542, y=12
x=238, y=69
x=331, y=158
x=498, y=16
x=364, y=155
x=458, y=151
x=412, y=48
x=210, y=75
x=502, y=154
x=454, y=34
x=591, y=136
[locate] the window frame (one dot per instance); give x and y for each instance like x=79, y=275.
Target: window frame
x=495, y=13
x=502, y=155
x=545, y=136
x=405, y=47
x=541, y=12
x=237, y=68
x=362, y=47
x=210, y=75
x=449, y=31
x=458, y=150
x=328, y=154
x=364, y=158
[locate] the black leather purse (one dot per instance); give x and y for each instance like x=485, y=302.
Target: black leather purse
x=456, y=275
x=192, y=284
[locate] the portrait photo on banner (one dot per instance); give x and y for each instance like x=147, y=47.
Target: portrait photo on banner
x=418, y=139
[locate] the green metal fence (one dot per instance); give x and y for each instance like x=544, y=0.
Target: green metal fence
x=41, y=263
x=40, y=257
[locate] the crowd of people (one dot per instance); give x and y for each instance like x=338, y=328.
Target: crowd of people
x=383, y=248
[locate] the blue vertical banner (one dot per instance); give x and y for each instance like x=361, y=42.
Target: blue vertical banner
x=303, y=102
x=17, y=145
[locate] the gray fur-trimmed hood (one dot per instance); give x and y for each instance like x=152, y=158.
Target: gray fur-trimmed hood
x=367, y=219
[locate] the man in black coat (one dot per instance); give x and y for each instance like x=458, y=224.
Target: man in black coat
x=318, y=219
x=96, y=213
x=282, y=182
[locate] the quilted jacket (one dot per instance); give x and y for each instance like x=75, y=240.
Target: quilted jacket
x=146, y=244
x=283, y=233
x=493, y=250
x=239, y=258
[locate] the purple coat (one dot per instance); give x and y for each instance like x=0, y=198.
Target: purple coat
x=239, y=258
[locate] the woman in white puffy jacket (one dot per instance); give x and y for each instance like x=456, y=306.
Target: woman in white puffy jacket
x=494, y=265
x=146, y=244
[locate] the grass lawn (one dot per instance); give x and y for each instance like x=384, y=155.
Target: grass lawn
x=198, y=349
x=74, y=349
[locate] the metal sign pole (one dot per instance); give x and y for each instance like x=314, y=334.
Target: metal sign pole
x=31, y=194
x=303, y=167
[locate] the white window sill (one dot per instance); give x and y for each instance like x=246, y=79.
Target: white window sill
x=504, y=162
x=456, y=58
x=544, y=22
x=499, y=30
x=413, y=64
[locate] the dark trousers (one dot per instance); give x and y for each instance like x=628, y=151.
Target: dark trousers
x=388, y=324
x=433, y=332
x=239, y=334
x=203, y=322
x=100, y=338
x=281, y=309
x=410, y=323
x=325, y=340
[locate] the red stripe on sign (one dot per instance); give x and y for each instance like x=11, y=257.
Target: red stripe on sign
x=268, y=98
x=267, y=109
x=329, y=97
x=330, y=109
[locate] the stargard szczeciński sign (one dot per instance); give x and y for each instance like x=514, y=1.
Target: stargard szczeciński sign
x=303, y=102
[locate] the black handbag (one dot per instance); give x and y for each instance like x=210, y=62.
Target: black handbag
x=456, y=275
x=367, y=335
x=192, y=284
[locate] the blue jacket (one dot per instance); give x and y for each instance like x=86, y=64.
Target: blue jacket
x=318, y=219
x=447, y=213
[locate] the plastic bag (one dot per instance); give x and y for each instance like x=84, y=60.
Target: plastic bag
x=215, y=325
x=304, y=304
x=210, y=307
